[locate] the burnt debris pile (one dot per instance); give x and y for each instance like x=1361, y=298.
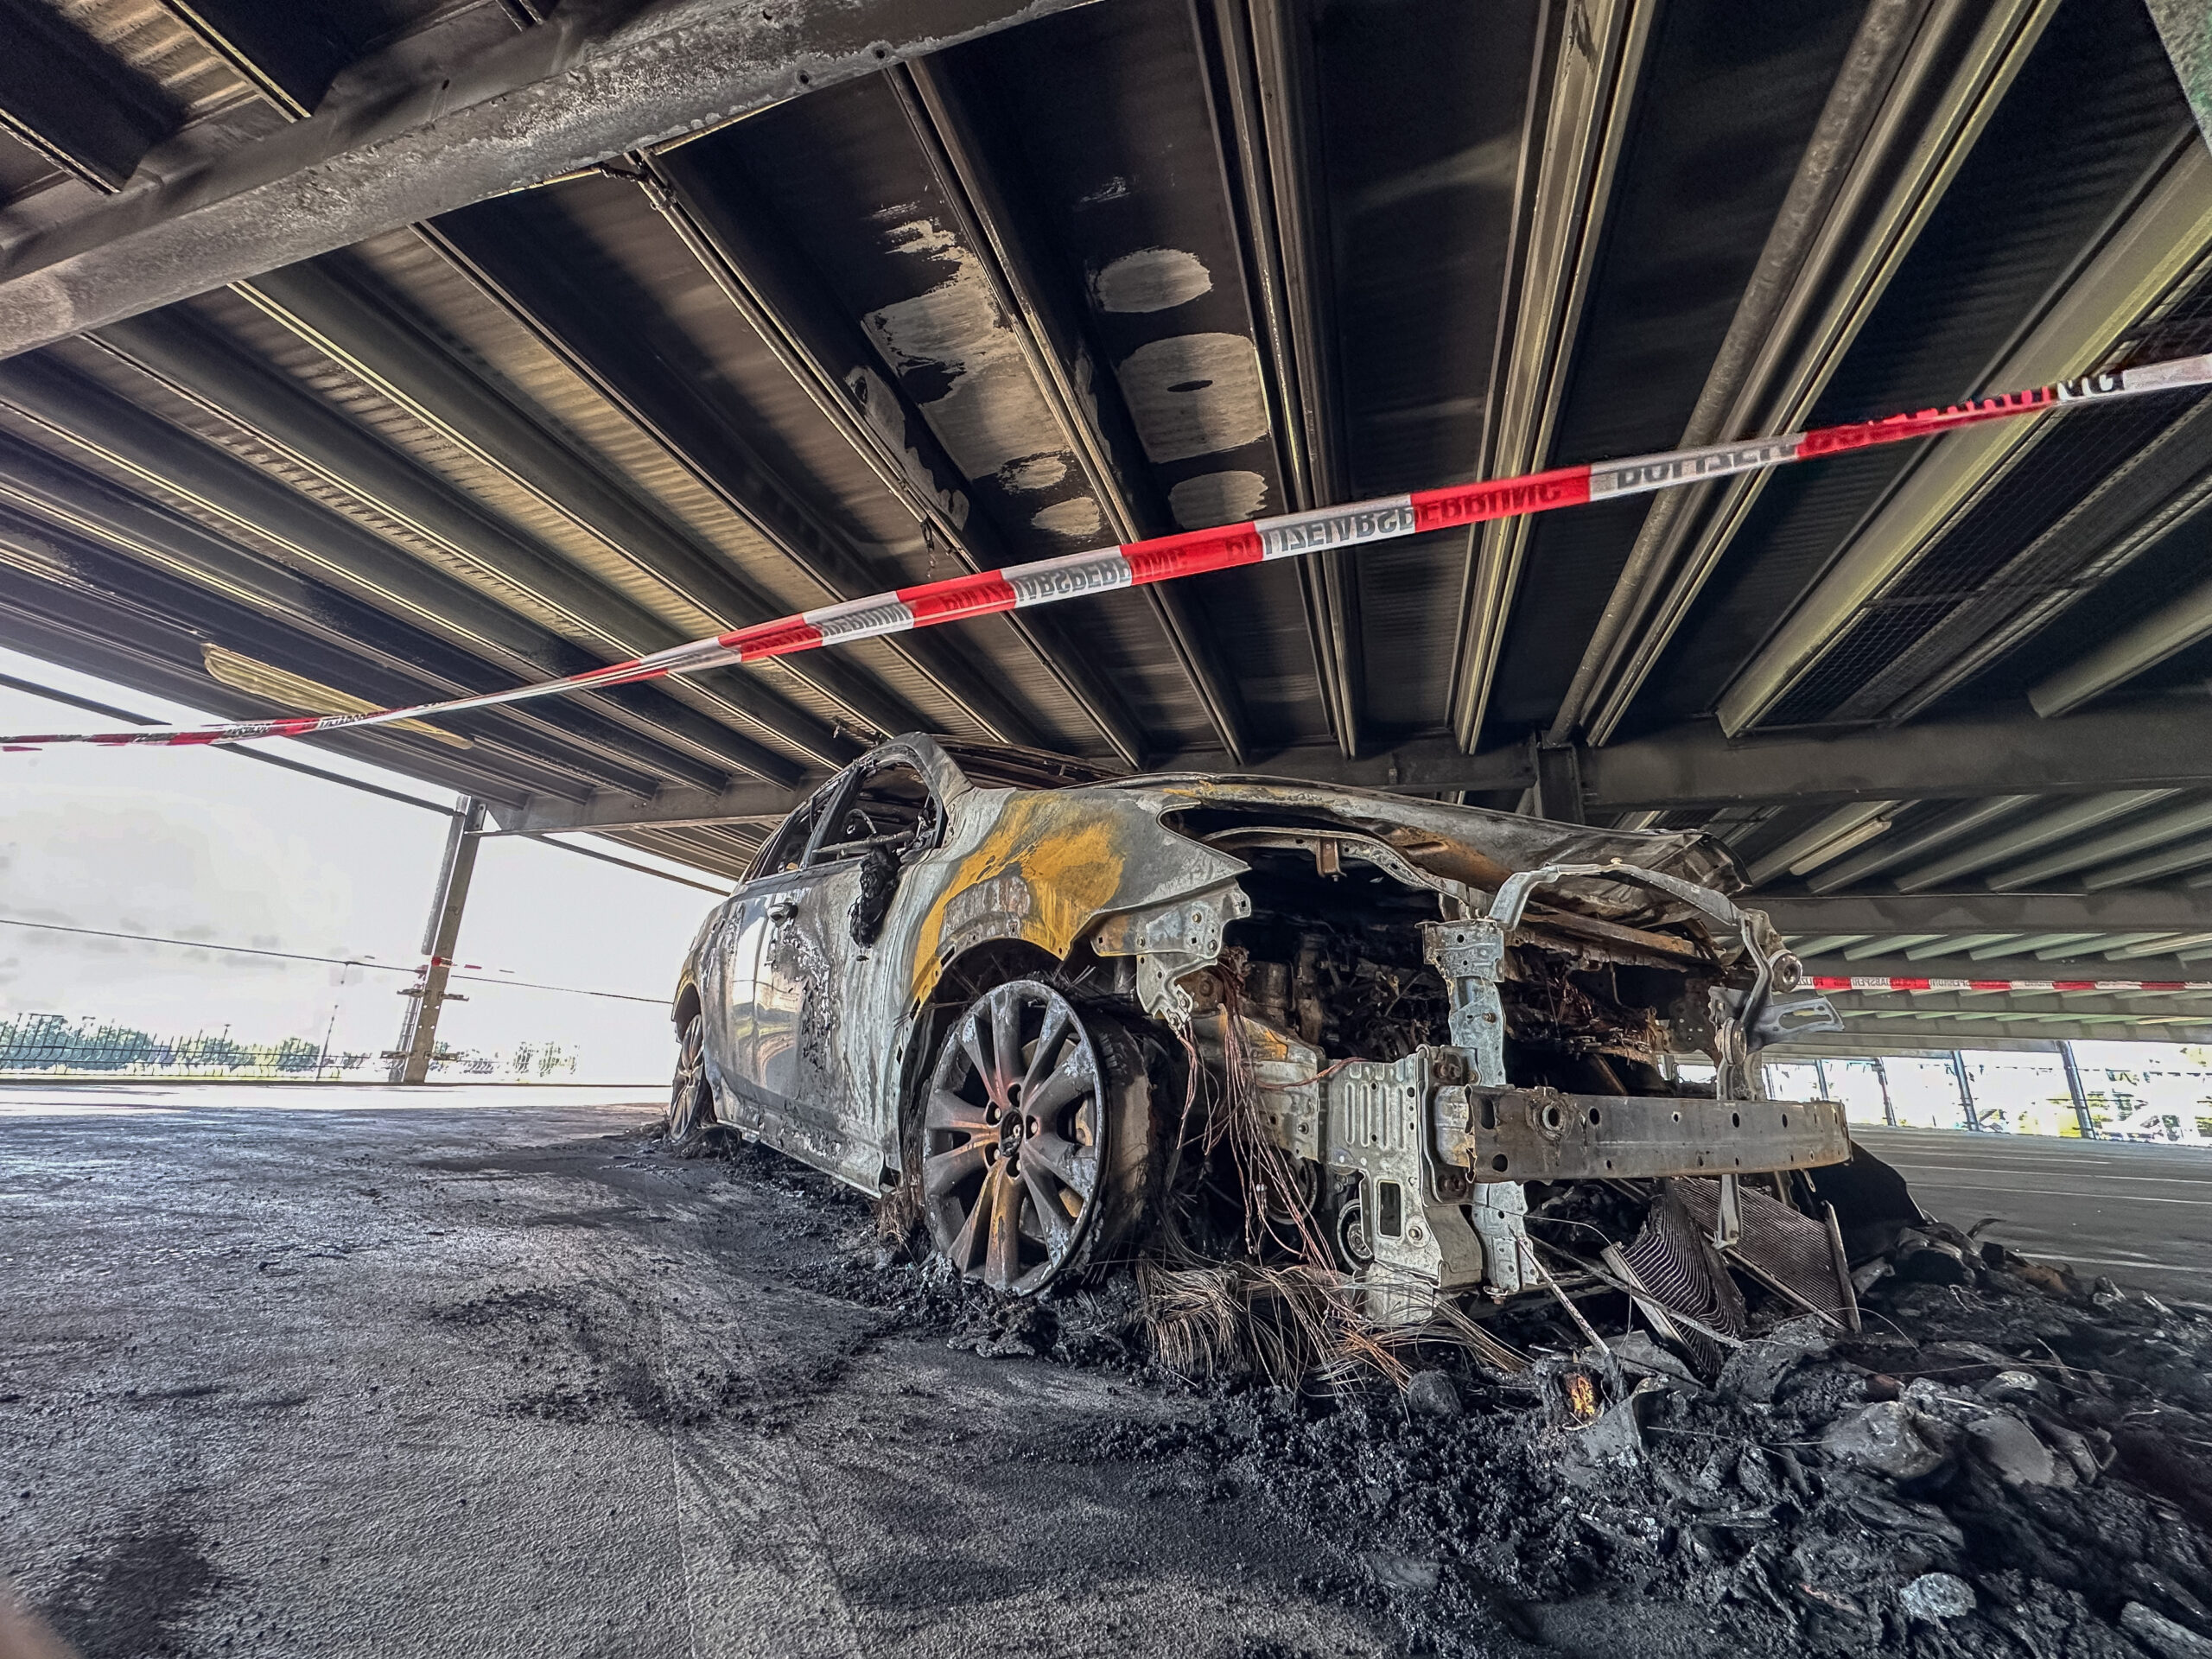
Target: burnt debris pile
x=2004, y=1457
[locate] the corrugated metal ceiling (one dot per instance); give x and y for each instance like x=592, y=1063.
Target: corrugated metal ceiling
x=1141, y=265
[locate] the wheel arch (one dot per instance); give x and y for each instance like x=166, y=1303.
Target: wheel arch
x=688, y=1003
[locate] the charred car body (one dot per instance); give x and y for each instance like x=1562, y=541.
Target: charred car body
x=1032, y=997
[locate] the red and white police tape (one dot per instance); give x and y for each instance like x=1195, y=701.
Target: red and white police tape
x=1076, y=576
x=1826, y=983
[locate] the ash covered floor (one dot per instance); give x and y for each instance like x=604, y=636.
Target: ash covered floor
x=507, y=1379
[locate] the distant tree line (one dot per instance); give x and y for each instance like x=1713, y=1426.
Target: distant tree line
x=48, y=1041
x=52, y=1042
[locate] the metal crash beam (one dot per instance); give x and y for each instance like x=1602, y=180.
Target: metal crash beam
x=1541, y=1135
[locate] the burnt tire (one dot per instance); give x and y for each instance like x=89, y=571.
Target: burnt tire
x=690, y=1096
x=1038, y=1139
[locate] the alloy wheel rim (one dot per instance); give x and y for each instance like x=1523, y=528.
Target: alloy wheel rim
x=1013, y=1136
x=685, y=1111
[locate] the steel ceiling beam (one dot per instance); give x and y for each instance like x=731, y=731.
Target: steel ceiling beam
x=2174, y=626
x=2167, y=745
x=669, y=809
x=592, y=340
x=84, y=112
x=2132, y=1028
x=258, y=756
x=2162, y=239
x=289, y=55
x=1802, y=851
x=109, y=569
x=1913, y=965
x=1931, y=1041
x=97, y=649
x=1918, y=86
x=2133, y=949
x=1866, y=948
x=2017, y=1004
x=438, y=121
x=1892, y=1033
x=572, y=751
x=355, y=330
x=1588, y=64
x=2186, y=818
x=706, y=448
x=768, y=283
x=1883, y=947
x=333, y=550
x=2128, y=910
x=1886, y=29
x=1065, y=364
x=2167, y=860
x=2162, y=744
x=732, y=237
x=728, y=861
x=2135, y=506
x=1944, y=945
x=1895, y=849
x=1261, y=87
x=1808, y=945
x=277, y=411
x=2030, y=834
x=342, y=318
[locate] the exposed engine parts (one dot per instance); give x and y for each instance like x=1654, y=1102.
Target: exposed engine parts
x=1426, y=1070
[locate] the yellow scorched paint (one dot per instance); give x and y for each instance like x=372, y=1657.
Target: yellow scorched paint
x=1071, y=869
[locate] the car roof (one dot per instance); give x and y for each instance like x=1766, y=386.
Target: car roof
x=1004, y=766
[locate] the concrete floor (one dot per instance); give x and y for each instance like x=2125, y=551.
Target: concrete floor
x=291, y=1376
x=472, y=1372
x=2139, y=1213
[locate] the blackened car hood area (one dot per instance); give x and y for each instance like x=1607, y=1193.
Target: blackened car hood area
x=1466, y=843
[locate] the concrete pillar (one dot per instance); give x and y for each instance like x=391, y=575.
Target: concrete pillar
x=1965, y=1089
x=2074, y=1088
x=418, y=1033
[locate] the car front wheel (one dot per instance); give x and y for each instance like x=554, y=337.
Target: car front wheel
x=1037, y=1139
x=691, y=1098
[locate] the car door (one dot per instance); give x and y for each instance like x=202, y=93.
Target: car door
x=729, y=971
x=724, y=1023
x=884, y=813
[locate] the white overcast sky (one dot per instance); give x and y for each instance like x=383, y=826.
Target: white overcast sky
x=201, y=844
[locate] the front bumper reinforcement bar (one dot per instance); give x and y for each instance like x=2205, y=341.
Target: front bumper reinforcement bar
x=1540, y=1135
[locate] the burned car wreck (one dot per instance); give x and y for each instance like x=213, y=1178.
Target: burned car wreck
x=1058, y=1014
